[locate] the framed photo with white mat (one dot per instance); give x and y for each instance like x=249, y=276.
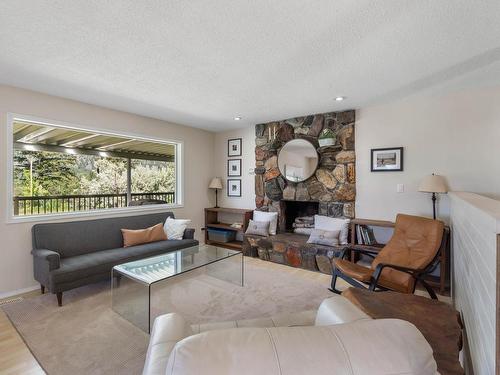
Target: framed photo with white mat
x=387, y=159
x=234, y=168
x=233, y=187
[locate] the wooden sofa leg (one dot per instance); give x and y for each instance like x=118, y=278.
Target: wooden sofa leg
x=42, y=288
x=59, y=298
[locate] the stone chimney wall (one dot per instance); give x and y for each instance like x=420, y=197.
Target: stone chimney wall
x=334, y=183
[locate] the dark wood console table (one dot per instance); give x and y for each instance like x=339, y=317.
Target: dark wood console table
x=437, y=321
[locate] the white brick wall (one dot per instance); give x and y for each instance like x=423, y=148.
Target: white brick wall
x=475, y=224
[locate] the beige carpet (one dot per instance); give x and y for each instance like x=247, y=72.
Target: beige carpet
x=85, y=336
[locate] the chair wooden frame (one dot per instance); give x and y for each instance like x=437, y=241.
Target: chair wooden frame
x=372, y=285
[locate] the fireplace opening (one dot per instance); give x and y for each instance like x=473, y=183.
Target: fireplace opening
x=296, y=209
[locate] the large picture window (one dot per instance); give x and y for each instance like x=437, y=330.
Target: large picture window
x=59, y=169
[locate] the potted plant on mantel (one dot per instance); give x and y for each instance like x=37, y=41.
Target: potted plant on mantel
x=327, y=138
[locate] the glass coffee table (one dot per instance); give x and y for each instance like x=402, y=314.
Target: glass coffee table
x=138, y=286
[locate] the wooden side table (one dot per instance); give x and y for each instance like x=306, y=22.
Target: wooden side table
x=437, y=321
x=212, y=221
x=441, y=282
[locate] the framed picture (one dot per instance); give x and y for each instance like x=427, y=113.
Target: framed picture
x=387, y=159
x=234, y=147
x=234, y=188
x=234, y=167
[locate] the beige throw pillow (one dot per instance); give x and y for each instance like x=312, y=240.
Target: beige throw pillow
x=259, y=228
x=132, y=237
x=324, y=237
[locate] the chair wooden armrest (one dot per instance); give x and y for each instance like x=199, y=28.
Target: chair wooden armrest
x=370, y=253
x=415, y=273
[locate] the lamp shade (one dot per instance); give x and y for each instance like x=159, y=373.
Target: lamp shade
x=216, y=183
x=433, y=184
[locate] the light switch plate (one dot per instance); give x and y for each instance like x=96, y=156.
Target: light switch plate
x=400, y=188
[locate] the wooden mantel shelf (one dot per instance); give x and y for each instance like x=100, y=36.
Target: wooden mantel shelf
x=228, y=210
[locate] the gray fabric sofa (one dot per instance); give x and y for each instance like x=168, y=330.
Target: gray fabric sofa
x=72, y=254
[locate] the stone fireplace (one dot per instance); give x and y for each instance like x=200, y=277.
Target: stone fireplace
x=331, y=191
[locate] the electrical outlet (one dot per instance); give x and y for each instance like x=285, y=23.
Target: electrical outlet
x=400, y=188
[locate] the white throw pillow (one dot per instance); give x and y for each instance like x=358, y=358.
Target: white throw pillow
x=333, y=223
x=174, y=228
x=271, y=217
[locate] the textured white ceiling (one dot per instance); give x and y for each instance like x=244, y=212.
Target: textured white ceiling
x=201, y=63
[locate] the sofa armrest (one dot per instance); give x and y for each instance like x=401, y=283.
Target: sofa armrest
x=48, y=257
x=167, y=330
x=338, y=310
x=188, y=234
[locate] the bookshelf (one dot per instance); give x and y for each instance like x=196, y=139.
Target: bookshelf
x=212, y=221
x=356, y=241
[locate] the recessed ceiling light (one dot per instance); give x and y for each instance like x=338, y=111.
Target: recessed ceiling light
x=339, y=98
x=237, y=118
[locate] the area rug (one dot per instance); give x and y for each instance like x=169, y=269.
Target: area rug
x=85, y=336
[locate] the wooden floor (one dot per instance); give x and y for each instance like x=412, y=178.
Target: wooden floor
x=16, y=359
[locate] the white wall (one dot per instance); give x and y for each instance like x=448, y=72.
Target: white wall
x=475, y=224
x=247, y=199
x=456, y=135
x=15, y=245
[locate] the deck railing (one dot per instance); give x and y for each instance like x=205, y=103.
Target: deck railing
x=73, y=203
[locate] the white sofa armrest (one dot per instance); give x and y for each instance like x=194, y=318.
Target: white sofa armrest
x=338, y=310
x=167, y=330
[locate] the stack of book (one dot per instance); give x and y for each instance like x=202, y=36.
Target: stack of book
x=365, y=235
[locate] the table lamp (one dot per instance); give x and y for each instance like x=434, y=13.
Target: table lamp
x=215, y=184
x=433, y=184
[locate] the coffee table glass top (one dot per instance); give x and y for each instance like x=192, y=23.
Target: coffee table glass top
x=161, y=267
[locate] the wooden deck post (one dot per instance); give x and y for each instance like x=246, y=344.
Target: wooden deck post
x=129, y=181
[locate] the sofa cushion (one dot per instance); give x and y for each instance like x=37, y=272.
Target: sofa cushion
x=385, y=346
x=103, y=261
x=87, y=236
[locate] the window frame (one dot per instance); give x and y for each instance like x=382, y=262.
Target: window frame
x=9, y=170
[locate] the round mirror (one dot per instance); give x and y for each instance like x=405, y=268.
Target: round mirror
x=297, y=160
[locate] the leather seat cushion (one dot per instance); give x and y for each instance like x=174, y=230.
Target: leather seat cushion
x=103, y=261
x=353, y=270
x=390, y=279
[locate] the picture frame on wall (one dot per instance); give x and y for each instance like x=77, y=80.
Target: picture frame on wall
x=387, y=159
x=234, y=147
x=234, y=168
x=233, y=187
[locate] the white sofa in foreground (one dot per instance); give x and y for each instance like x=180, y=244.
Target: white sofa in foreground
x=337, y=339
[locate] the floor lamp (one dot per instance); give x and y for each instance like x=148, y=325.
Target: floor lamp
x=434, y=184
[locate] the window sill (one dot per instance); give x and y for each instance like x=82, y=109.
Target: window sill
x=111, y=212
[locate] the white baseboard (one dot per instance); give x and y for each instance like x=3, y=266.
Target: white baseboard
x=19, y=291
